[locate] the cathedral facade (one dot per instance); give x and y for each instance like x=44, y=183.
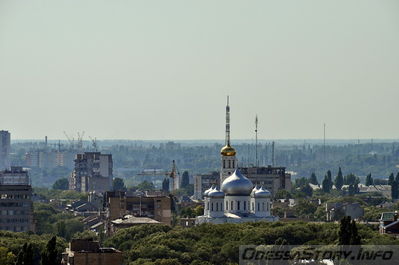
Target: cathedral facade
x=237, y=200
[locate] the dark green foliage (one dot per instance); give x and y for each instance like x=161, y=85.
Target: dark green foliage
x=339, y=180
x=146, y=185
x=185, y=179
x=394, y=190
x=348, y=232
x=327, y=182
x=218, y=244
x=307, y=190
x=50, y=256
x=165, y=184
x=369, y=180
x=283, y=194
x=118, y=184
x=313, y=179
x=50, y=220
x=61, y=184
x=391, y=179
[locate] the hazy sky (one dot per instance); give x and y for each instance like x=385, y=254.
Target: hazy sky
x=162, y=69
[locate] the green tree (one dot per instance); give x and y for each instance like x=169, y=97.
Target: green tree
x=307, y=190
x=391, y=179
x=313, y=179
x=25, y=255
x=118, y=184
x=165, y=184
x=185, y=179
x=327, y=182
x=369, y=180
x=339, y=180
x=6, y=256
x=50, y=255
x=61, y=184
x=394, y=190
x=146, y=185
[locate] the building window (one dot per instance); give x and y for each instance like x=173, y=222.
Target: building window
x=238, y=205
x=258, y=206
x=224, y=163
x=263, y=206
x=253, y=206
x=232, y=208
x=217, y=207
x=207, y=206
x=227, y=205
x=229, y=163
x=245, y=206
x=233, y=163
x=212, y=207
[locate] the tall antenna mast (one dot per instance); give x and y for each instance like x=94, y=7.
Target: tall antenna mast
x=256, y=141
x=273, y=156
x=227, y=123
x=324, y=143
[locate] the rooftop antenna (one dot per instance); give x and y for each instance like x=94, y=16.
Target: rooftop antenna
x=256, y=141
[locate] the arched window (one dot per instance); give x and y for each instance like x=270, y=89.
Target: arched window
x=258, y=206
x=217, y=207
x=227, y=205
x=263, y=206
x=233, y=163
x=224, y=163
x=245, y=206
x=253, y=206
x=232, y=206
x=238, y=205
x=229, y=163
x=212, y=207
x=207, y=206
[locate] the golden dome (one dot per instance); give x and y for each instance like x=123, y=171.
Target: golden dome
x=228, y=151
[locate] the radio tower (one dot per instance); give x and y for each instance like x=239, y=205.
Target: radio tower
x=256, y=141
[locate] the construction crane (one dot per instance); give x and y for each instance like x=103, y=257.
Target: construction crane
x=71, y=140
x=80, y=139
x=94, y=143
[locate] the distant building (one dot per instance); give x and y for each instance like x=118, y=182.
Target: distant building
x=92, y=172
x=88, y=252
x=120, y=203
x=272, y=178
x=5, y=149
x=16, y=206
x=204, y=182
x=389, y=223
x=336, y=210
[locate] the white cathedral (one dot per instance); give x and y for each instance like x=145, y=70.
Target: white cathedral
x=237, y=201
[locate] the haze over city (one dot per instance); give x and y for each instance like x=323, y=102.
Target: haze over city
x=162, y=69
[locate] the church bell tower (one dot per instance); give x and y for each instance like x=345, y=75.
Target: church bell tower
x=228, y=153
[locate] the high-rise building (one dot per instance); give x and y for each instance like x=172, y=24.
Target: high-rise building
x=272, y=178
x=5, y=147
x=92, y=172
x=16, y=207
